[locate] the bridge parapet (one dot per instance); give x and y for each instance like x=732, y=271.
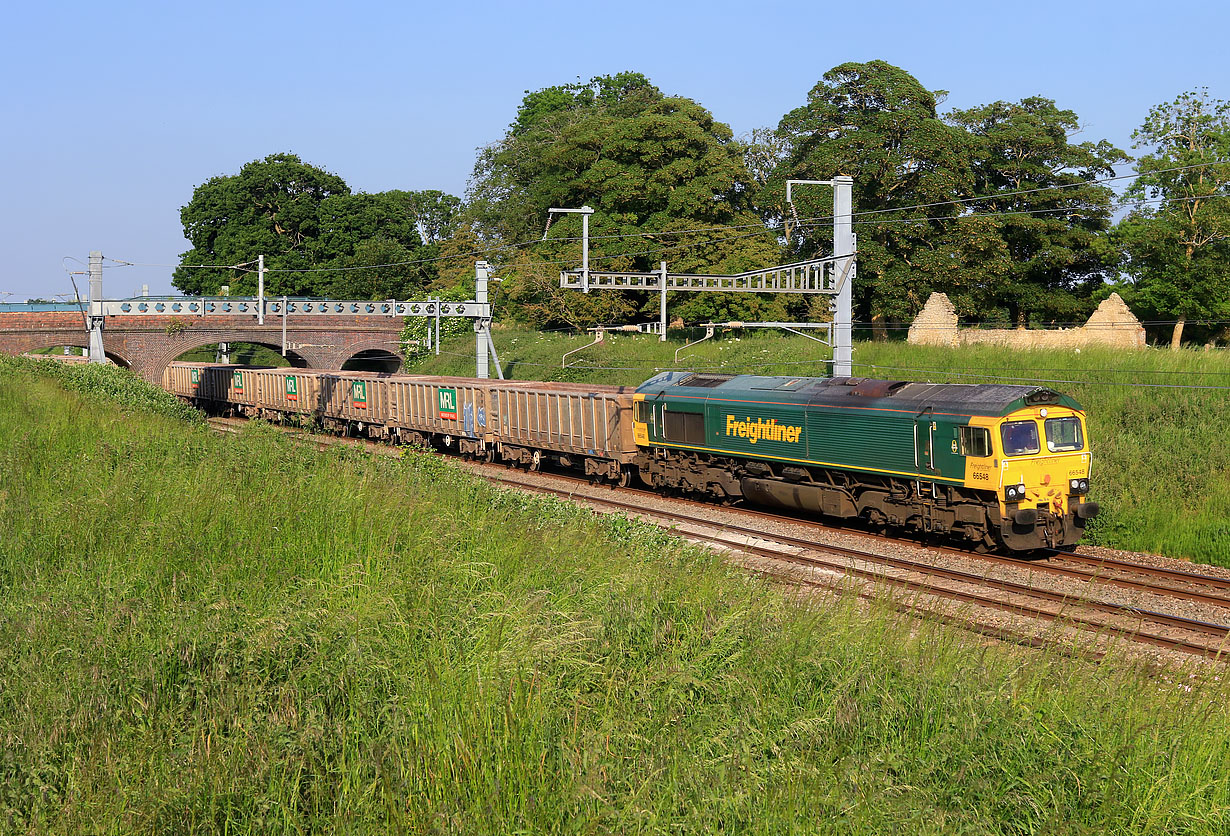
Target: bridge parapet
x=148, y=341
x=148, y=332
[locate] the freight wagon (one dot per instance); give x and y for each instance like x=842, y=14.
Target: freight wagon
x=573, y=425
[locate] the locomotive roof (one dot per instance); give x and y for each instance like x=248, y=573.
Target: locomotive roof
x=992, y=399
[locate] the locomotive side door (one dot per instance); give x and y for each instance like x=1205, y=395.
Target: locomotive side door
x=924, y=443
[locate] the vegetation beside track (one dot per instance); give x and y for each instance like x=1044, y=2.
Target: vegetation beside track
x=1161, y=467
x=120, y=387
x=241, y=634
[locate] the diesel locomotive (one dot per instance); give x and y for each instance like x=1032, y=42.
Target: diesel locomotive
x=998, y=466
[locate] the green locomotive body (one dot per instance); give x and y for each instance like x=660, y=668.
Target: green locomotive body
x=917, y=455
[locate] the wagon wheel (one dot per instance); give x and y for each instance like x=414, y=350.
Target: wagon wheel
x=625, y=477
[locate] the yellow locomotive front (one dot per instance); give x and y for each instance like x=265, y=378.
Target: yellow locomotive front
x=1041, y=468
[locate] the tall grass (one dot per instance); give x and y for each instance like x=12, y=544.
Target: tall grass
x=203, y=634
x=1161, y=452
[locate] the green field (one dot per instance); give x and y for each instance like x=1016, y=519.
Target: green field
x=1161, y=466
x=204, y=634
x=249, y=354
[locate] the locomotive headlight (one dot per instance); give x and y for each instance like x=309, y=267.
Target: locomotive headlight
x=1014, y=493
x=1079, y=486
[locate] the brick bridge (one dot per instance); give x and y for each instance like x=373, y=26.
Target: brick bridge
x=147, y=343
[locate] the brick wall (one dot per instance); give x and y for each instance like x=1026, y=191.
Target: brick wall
x=148, y=343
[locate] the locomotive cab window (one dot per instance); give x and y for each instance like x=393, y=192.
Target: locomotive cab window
x=1064, y=435
x=975, y=441
x=640, y=411
x=1020, y=438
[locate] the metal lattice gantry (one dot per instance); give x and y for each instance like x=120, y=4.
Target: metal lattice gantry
x=831, y=275
x=819, y=275
x=205, y=306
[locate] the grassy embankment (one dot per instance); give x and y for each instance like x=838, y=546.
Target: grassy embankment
x=250, y=354
x=1161, y=455
x=238, y=634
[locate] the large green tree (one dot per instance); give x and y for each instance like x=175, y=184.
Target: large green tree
x=318, y=238
x=1044, y=215
x=992, y=205
x=1177, y=234
x=653, y=167
x=877, y=123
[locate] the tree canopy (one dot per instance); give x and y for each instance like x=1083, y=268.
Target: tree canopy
x=998, y=205
x=1177, y=235
x=303, y=218
x=653, y=167
x=964, y=203
x=1042, y=249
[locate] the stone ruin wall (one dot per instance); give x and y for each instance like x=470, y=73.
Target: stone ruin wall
x=1112, y=325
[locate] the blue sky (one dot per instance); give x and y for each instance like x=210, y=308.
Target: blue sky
x=110, y=114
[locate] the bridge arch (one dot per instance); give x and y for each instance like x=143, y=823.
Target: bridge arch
x=378, y=356
x=303, y=359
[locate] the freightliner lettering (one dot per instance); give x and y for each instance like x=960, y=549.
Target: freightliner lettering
x=761, y=429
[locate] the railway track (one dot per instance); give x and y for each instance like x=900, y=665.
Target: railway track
x=873, y=572
x=923, y=577
x=1188, y=586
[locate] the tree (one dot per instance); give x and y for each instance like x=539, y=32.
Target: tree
x=993, y=205
x=877, y=123
x=270, y=207
x=652, y=166
x=318, y=238
x=1040, y=197
x=1178, y=250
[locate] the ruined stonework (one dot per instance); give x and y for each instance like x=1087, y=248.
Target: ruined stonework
x=1112, y=324
x=936, y=323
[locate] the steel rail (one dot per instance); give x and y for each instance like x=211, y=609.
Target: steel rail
x=1021, y=563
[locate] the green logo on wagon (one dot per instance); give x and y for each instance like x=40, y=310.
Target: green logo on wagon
x=237, y=380
x=196, y=378
x=292, y=388
x=358, y=394
x=448, y=403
